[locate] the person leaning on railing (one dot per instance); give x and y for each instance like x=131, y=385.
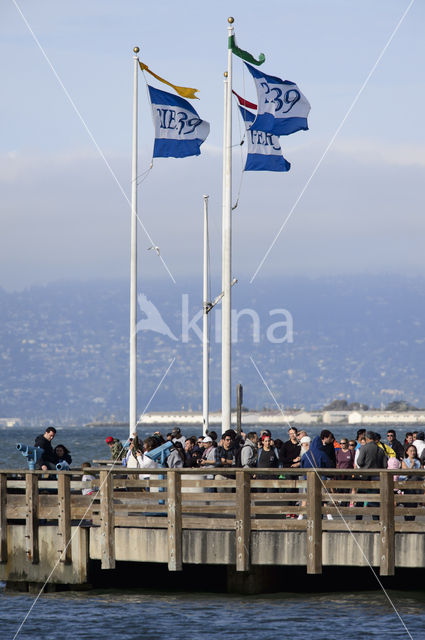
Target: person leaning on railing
x=49, y=458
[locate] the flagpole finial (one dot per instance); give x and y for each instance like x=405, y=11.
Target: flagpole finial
x=230, y=20
x=136, y=49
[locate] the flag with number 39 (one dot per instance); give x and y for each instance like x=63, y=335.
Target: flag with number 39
x=282, y=108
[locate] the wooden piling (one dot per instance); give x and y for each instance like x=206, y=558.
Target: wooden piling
x=174, y=497
x=314, y=523
x=3, y=518
x=107, y=533
x=64, y=518
x=243, y=520
x=31, y=518
x=387, y=548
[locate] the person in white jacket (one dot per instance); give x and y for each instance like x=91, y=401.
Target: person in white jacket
x=143, y=461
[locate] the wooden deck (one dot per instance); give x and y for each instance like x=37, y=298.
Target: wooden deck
x=172, y=502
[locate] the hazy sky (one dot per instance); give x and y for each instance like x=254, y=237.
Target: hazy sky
x=63, y=214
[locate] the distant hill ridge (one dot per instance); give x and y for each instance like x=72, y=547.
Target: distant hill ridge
x=64, y=347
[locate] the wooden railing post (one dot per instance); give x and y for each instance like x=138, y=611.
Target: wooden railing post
x=387, y=556
x=3, y=517
x=64, y=518
x=174, y=501
x=31, y=519
x=314, y=523
x=107, y=531
x=243, y=520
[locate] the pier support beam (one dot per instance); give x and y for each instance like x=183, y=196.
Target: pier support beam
x=3, y=518
x=387, y=555
x=314, y=523
x=31, y=519
x=174, y=521
x=64, y=518
x=107, y=532
x=243, y=520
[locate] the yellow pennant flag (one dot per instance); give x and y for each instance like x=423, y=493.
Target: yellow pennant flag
x=184, y=92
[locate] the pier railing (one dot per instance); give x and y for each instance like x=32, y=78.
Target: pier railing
x=240, y=500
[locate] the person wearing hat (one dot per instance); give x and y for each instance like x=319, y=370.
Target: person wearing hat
x=305, y=444
x=209, y=455
x=116, y=448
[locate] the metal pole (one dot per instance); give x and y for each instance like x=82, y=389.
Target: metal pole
x=239, y=402
x=133, y=257
x=226, y=336
x=205, y=345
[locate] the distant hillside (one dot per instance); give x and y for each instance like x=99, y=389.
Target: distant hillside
x=64, y=347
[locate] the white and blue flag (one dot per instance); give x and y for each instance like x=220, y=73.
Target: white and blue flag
x=282, y=108
x=264, y=151
x=179, y=131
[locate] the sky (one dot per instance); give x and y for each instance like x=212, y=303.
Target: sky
x=354, y=195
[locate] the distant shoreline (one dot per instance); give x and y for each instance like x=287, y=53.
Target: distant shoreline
x=259, y=418
x=280, y=418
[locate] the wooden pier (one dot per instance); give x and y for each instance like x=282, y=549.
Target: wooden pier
x=50, y=531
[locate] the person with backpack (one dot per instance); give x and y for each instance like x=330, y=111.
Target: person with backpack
x=226, y=451
x=249, y=451
x=177, y=457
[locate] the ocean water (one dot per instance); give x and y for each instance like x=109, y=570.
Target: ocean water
x=140, y=615
x=193, y=616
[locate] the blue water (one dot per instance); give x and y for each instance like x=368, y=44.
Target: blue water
x=135, y=616
x=138, y=615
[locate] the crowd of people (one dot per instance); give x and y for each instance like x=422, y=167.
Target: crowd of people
x=250, y=450
x=366, y=451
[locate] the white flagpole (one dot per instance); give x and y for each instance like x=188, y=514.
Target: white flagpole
x=226, y=335
x=133, y=257
x=205, y=349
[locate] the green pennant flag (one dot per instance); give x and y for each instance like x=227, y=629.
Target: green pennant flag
x=244, y=54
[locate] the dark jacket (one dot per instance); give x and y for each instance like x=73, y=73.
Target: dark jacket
x=267, y=459
x=317, y=456
x=397, y=448
x=288, y=453
x=226, y=454
x=48, y=453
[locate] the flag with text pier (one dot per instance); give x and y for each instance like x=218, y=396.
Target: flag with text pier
x=179, y=131
x=264, y=151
